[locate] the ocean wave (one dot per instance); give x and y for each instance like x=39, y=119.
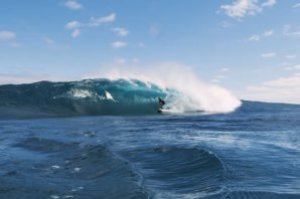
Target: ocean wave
x=69, y=169
x=95, y=97
x=178, y=172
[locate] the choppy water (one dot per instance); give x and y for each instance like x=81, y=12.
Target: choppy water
x=253, y=152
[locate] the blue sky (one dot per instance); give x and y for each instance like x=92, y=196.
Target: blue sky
x=251, y=47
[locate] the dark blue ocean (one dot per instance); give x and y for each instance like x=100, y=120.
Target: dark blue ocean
x=95, y=139
x=253, y=152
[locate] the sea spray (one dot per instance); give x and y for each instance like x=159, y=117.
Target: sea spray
x=196, y=94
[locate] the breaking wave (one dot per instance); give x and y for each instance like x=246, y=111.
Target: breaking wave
x=117, y=96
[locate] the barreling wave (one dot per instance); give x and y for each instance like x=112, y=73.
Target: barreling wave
x=91, y=97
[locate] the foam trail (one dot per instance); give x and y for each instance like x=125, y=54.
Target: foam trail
x=197, y=95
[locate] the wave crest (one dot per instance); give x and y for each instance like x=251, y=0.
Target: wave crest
x=118, y=96
x=191, y=94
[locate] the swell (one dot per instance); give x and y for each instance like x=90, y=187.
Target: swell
x=57, y=169
x=178, y=172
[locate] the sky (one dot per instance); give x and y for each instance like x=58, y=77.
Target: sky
x=251, y=47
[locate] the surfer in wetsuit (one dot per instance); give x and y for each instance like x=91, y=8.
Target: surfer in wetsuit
x=161, y=103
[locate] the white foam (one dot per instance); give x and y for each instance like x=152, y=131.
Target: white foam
x=77, y=169
x=80, y=93
x=77, y=189
x=108, y=96
x=219, y=140
x=55, y=167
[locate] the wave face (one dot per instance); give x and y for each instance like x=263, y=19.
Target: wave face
x=91, y=97
x=86, y=97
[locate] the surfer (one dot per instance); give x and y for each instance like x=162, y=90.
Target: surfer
x=161, y=103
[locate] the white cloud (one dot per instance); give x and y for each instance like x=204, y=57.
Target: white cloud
x=7, y=35
x=292, y=67
x=296, y=67
x=289, y=31
x=284, y=89
x=102, y=20
x=291, y=56
x=73, y=5
x=254, y=38
x=268, y=33
x=118, y=44
x=268, y=55
x=215, y=80
x=73, y=24
x=296, y=5
x=49, y=42
x=291, y=81
x=122, y=32
x=224, y=69
x=242, y=8
x=268, y=3
x=93, y=22
x=75, y=33
x=258, y=37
